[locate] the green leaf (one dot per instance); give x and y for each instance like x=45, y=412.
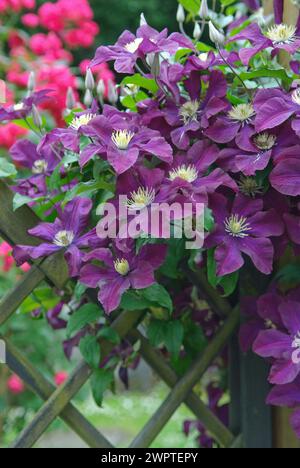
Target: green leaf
x=101, y=381
x=85, y=315
x=109, y=334
x=20, y=200
x=131, y=301
x=192, y=6
x=7, y=169
x=174, y=334
x=90, y=350
x=169, y=333
x=41, y=297
x=142, y=82
x=157, y=294
x=87, y=188
x=266, y=73
x=209, y=222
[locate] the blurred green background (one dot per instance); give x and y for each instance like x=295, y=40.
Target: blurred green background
x=114, y=16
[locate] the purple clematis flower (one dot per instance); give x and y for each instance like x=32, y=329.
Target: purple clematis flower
x=226, y=127
x=40, y=162
x=260, y=314
x=278, y=37
x=274, y=107
x=24, y=108
x=258, y=149
x=284, y=347
x=188, y=179
x=288, y=396
x=66, y=233
x=123, y=141
x=54, y=319
x=190, y=115
x=129, y=48
x=120, y=272
x=245, y=228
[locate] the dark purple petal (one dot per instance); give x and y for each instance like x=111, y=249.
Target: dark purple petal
x=111, y=292
x=285, y=178
x=272, y=343
x=228, y=258
x=261, y=252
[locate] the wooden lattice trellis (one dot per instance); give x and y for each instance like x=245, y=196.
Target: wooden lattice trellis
x=13, y=228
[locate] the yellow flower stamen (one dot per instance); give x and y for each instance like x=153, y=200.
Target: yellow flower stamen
x=122, y=266
x=122, y=138
x=264, y=141
x=282, y=34
x=188, y=173
x=140, y=199
x=248, y=186
x=64, y=238
x=189, y=111
x=82, y=120
x=237, y=226
x=40, y=166
x=242, y=113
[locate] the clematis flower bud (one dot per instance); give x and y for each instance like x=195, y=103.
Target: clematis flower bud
x=101, y=88
x=113, y=95
x=89, y=80
x=197, y=31
x=88, y=98
x=204, y=11
x=70, y=100
x=37, y=119
x=143, y=21
x=216, y=36
x=31, y=82
x=180, y=14
x=155, y=66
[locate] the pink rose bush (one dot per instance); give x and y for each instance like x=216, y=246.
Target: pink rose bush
x=189, y=124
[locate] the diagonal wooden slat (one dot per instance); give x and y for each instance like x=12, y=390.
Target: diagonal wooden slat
x=186, y=384
x=155, y=360
x=44, y=389
x=61, y=397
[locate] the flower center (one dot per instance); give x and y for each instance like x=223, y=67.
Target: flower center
x=296, y=96
x=248, y=186
x=140, y=199
x=122, y=138
x=188, y=173
x=64, y=238
x=203, y=57
x=242, y=113
x=122, y=266
x=188, y=112
x=18, y=107
x=237, y=226
x=296, y=346
x=282, y=34
x=82, y=120
x=133, y=46
x=40, y=167
x=264, y=141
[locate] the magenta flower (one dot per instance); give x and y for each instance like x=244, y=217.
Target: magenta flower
x=189, y=181
x=245, y=228
x=122, y=141
x=288, y=396
x=66, y=233
x=22, y=109
x=260, y=314
x=121, y=271
x=188, y=116
x=129, y=48
x=278, y=37
x=226, y=127
x=284, y=347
